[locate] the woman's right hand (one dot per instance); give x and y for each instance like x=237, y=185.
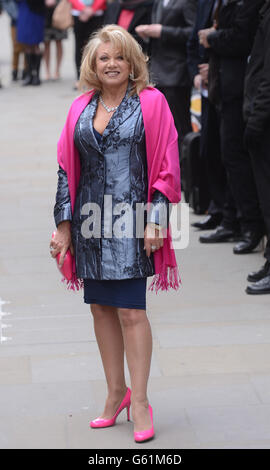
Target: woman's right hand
x=61, y=242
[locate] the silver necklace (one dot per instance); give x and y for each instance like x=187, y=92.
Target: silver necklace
x=109, y=110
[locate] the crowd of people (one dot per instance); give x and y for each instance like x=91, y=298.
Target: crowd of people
x=32, y=25
x=219, y=47
x=228, y=58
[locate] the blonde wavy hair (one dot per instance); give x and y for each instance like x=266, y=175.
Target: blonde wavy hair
x=127, y=46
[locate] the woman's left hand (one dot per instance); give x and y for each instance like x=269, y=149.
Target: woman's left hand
x=153, y=239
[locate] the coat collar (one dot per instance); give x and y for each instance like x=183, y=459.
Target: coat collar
x=88, y=136
x=125, y=109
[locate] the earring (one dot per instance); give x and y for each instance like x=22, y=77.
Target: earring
x=131, y=76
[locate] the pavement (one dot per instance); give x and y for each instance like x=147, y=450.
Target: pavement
x=209, y=384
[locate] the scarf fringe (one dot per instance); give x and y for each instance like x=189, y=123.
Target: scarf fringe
x=169, y=278
x=74, y=284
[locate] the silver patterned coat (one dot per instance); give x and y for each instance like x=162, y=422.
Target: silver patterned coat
x=115, y=166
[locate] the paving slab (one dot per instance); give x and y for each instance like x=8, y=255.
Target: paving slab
x=250, y=423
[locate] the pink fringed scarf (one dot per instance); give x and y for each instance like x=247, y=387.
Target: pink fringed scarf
x=163, y=171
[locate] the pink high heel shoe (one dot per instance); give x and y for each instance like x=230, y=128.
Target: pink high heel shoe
x=142, y=436
x=105, y=423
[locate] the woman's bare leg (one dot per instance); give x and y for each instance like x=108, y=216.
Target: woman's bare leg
x=138, y=346
x=111, y=346
x=59, y=56
x=47, y=58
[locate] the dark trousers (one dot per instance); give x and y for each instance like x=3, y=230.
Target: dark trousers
x=222, y=200
x=260, y=157
x=238, y=166
x=179, y=102
x=82, y=32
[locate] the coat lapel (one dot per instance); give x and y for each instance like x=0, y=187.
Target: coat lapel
x=157, y=11
x=165, y=11
x=125, y=109
x=88, y=135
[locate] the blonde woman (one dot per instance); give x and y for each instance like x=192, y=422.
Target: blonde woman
x=118, y=150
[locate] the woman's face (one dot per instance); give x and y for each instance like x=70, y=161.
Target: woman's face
x=111, y=67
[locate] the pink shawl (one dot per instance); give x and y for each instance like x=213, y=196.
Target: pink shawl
x=163, y=171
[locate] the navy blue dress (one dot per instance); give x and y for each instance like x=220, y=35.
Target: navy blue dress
x=123, y=293
x=30, y=25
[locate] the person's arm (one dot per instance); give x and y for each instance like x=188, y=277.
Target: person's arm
x=260, y=114
x=62, y=216
x=11, y=8
x=62, y=208
x=193, y=57
x=230, y=42
x=195, y=52
x=237, y=40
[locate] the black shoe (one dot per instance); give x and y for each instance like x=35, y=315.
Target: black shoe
x=248, y=243
x=14, y=75
x=35, y=70
x=260, y=287
x=28, y=77
x=258, y=275
x=221, y=234
x=210, y=222
x=23, y=74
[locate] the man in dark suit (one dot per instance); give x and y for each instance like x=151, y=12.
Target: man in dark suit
x=229, y=43
x=257, y=134
x=222, y=207
x=172, y=23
